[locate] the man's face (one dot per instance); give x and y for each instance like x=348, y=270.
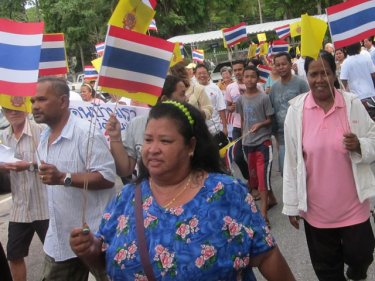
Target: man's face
x=367, y=43
x=47, y=107
x=283, y=66
x=202, y=76
x=238, y=71
x=14, y=117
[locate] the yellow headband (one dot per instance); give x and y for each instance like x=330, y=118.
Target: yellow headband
x=184, y=110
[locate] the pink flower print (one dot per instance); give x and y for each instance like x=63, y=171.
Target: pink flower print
x=146, y=205
x=166, y=260
x=148, y=220
x=246, y=261
x=176, y=211
x=183, y=230
x=228, y=219
x=120, y=256
x=140, y=277
x=106, y=216
x=208, y=251
x=269, y=240
x=199, y=262
x=159, y=249
x=122, y=224
x=249, y=231
x=218, y=187
x=193, y=222
x=132, y=249
x=234, y=228
x=238, y=263
x=249, y=199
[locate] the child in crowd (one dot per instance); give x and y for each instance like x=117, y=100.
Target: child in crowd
x=256, y=110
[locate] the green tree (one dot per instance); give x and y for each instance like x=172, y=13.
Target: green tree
x=13, y=9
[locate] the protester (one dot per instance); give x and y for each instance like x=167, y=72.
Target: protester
x=127, y=150
x=190, y=68
x=358, y=77
x=256, y=110
x=218, y=122
x=328, y=47
x=199, y=224
x=271, y=79
x=340, y=56
x=288, y=87
x=29, y=212
x=88, y=94
x=369, y=45
x=330, y=144
x=79, y=180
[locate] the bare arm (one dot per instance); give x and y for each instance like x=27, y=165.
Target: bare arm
x=49, y=174
x=125, y=164
x=345, y=84
x=223, y=121
x=259, y=125
x=273, y=266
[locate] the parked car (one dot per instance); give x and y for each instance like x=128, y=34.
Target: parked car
x=215, y=74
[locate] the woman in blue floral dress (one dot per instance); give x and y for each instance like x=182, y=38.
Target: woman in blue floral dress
x=199, y=223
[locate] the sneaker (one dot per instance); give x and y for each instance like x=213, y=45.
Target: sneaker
x=355, y=276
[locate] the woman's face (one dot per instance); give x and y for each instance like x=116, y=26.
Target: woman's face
x=86, y=93
x=164, y=152
x=227, y=76
x=179, y=92
x=321, y=79
x=339, y=55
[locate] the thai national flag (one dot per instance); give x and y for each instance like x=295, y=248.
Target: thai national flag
x=20, y=47
x=264, y=72
x=351, y=22
x=90, y=73
x=52, y=57
x=283, y=31
x=257, y=51
x=152, y=25
x=198, y=56
x=279, y=46
x=100, y=49
x=135, y=63
x=235, y=34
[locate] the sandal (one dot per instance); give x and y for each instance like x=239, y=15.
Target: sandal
x=256, y=195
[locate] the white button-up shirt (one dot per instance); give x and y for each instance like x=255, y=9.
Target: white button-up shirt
x=68, y=154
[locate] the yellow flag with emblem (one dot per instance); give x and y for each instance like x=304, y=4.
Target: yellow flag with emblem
x=295, y=29
x=15, y=103
x=134, y=15
x=252, y=51
x=262, y=37
x=177, y=56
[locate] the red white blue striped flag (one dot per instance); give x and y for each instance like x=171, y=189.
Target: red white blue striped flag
x=235, y=34
x=100, y=49
x=279, y=46
x=52, y=56
x=264, y=72
x=351, y=22
x=90, y=73
x=134, y=65
x=20, y=48
x=153, y=26
x=198, y=55
x=283, y=31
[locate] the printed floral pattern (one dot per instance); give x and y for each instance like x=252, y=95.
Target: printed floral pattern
x=220, y=228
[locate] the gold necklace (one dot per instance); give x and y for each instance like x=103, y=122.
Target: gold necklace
x=177, y=195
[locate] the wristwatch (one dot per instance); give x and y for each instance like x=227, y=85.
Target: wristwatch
x=68, y=179
x=32, y=167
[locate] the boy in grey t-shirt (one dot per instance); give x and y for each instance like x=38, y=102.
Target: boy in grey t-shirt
x=256, y=110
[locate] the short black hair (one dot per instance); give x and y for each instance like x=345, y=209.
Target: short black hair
x=282, y=54
x=253, y=68
x=354, y=49
x=328, y=57
x=239, y=62
x=201, y=65
x=59, y=85
x=169, y=86
x=206, y=154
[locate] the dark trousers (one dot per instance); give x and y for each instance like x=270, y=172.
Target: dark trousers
x=4, y=267
x=239, y=157
x=330, y=248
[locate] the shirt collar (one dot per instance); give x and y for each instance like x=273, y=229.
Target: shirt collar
x=338, y=103
x=66, y=133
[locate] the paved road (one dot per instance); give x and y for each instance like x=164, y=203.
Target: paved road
x=291, y=242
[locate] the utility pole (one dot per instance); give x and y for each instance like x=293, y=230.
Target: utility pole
x=260, y=12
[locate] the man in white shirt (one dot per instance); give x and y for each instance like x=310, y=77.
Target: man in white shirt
x=369, y=45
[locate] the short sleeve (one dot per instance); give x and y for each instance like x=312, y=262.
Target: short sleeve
x=304, y=86
x=239, y=107
x=268, y=109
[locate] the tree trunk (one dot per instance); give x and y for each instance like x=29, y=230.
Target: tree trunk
x=319, y=7
x=82, y=56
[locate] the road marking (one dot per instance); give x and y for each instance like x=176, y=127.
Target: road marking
x=6, y=199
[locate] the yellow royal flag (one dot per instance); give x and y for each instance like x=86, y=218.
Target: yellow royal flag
x=134, y=15
x=295, y=29
x=313, y=31
x=15, y=103
x=252, y=51
x=97, y=63
x=224, y=41
x=176, y=57
x=263, y=49
x=262, y=37
x=298, y=51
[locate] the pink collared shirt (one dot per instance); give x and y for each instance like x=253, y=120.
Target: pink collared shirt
x=332, y=199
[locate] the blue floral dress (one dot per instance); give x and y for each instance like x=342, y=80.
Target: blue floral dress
x=211, y=237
